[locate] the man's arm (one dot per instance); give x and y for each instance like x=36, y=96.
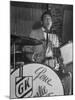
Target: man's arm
x=39, y=50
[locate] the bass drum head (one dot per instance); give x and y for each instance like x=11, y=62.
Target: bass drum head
x=45, y=82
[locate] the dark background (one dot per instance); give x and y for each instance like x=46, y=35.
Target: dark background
x=24, y=16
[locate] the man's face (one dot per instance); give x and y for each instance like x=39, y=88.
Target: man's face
x=47, y=21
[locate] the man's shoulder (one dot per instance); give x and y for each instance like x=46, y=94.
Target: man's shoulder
x=37, y=30
x=36, y=33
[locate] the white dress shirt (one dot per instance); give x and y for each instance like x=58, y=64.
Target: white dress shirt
x=53, y=38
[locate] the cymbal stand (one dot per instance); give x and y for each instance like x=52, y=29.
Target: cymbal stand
x=14, y=56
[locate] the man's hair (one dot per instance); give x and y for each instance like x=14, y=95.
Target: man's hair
x=46, y=13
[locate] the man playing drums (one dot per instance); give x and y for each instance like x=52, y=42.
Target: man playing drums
x=48, y=53
x=44, y=52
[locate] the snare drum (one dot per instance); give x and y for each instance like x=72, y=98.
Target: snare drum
x=66, y=52
x=37, y=81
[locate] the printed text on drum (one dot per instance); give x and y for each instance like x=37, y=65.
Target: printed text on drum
x=40, y=73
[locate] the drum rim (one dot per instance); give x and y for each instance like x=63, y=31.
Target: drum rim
x=47, y=67
x=52, y=70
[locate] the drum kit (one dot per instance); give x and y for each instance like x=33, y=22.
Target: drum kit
x=44, y=80
x=21, y=41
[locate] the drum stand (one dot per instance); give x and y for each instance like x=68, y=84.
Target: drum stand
x=19, y=64
x=14, y=57
x=70, y=75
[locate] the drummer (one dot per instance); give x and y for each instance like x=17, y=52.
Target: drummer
x=48, y=53
x=50, y=41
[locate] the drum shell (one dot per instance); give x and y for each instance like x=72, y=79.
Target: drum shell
x=29, y=71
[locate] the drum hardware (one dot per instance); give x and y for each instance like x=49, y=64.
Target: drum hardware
x=70, y=74
x=14, y=55
x=17, y=56
x=63, y=74
x=20, y=66
x=68, y=77
x=14, y=38
x=16, y=52
x=20, y=57
x=23, y=40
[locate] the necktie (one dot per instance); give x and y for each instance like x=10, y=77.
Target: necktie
x=46, y=39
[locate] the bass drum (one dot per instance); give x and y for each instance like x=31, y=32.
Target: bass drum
x=43, y=81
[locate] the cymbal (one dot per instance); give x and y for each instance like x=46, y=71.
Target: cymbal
x=23, y=40
x=15, y=38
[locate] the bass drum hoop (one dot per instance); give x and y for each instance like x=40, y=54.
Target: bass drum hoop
x=48, y=68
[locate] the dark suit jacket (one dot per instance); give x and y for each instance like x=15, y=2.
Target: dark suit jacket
x=39, y=50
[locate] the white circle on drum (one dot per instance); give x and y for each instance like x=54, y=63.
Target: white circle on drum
x=45, y=81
